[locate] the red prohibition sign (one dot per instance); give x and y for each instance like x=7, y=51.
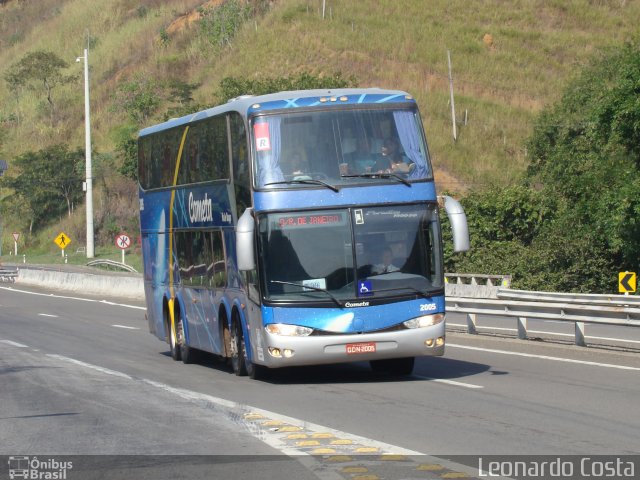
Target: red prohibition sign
x=123, y=241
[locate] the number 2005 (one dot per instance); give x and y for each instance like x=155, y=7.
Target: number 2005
x=427, y=307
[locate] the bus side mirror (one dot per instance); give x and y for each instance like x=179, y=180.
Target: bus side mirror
x=244, y=241
x=458, y=219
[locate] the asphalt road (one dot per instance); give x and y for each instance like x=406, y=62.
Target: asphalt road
x=79, y=376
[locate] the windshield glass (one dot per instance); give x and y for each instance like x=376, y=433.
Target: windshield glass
x=332, y=256
x=338, y=146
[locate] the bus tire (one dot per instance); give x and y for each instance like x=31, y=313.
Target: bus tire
x=176, y=353
x=393, y=366
x=238, y=350
x=255, y=372
x=188, y=354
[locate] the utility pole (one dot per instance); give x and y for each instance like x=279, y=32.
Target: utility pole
x=453, y=108
x=88, y=176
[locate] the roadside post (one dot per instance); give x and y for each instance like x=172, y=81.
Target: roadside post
x=62, y=240
x=627, y=282
x=123, y=242
x=16, y=236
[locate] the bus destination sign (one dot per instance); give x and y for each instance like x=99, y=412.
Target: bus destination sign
x=314, y=220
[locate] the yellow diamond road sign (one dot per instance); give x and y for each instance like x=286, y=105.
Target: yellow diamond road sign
x=62, y=240
x=627, y=282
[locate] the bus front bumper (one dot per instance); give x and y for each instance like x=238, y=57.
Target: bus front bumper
x=276, y=351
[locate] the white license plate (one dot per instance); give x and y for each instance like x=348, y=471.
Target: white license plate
x=356, y=348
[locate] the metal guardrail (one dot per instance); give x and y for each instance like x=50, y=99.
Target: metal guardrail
x=111, y=263
x=7, y=275
x=522, y=305
x=478, y=279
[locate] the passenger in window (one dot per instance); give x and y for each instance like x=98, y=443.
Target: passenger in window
x=392, y=160
x=362, y=159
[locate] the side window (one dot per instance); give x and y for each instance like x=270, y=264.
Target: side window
x=219, y=263
x=183, y=256
x=144, y=161
x=189, y=163
x=240, y=160
x=217, y=135
x=201, y=260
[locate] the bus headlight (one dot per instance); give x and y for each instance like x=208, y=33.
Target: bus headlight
x=425, y=321
x=288, y=330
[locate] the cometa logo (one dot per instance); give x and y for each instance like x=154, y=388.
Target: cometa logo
x=200, y=210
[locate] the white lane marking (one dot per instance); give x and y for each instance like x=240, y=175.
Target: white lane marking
x=544, y=357
x=14, y=344
x=74, y=298
x=89, y=365
x=106, y=302
x=124, y=326
x=449, y=382
x=625, y=340
x=47, y=315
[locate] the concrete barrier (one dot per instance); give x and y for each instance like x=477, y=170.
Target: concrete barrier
x=125, y=286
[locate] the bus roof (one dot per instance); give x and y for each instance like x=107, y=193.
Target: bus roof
x=248, y=104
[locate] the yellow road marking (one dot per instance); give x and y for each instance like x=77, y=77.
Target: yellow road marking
x=355, y=470
x=308, y=443
x=323, y=451
x=340, y=458
x=290, y=428
x=272, y=423
x=430, y=467
x=392, y=457
x=367, y=450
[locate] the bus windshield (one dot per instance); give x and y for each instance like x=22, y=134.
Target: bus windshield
x=331, y=256
x=338, y=146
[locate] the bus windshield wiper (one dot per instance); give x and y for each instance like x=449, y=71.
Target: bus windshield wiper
x=308, y=181
x=317, y=289
x=379, y=175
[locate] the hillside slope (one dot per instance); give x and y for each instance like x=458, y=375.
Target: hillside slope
x=510, y=59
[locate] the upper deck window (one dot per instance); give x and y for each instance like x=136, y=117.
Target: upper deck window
x=338, y=146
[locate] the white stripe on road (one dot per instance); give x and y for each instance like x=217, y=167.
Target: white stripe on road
x=88, y=365
x=124, y=326
x=449, y=382
x=543, y=357
x=14, y=344
x=74, y=298
x=47, y=315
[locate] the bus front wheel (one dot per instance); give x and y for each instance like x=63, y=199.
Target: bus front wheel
x=393, y=366
x=240, y=357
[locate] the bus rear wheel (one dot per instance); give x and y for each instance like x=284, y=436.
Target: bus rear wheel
x=237, y=349
x=393, y=366
x=174, y=344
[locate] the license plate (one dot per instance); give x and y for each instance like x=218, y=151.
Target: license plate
x=356, y=348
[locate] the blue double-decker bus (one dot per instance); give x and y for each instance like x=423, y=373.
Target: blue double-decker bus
x=295, y=228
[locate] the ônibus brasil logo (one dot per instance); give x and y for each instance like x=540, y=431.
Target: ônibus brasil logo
x=36, y=469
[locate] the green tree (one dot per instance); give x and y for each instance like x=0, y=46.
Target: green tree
x=49, y=183
x=586, y=152
x=139, y=98
x=38, y=71
x=575, y=220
